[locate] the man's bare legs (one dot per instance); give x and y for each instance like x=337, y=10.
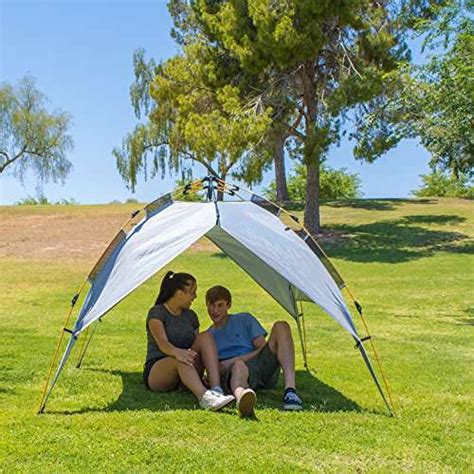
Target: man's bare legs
x=244, y=395
x=281, y=344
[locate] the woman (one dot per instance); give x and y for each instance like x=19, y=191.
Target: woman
x=176, y=351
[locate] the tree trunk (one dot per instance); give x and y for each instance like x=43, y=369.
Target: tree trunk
x=280, y=174
x=312, y=153
x=311, y=211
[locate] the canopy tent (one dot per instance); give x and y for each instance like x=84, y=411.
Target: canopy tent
x=282, y=258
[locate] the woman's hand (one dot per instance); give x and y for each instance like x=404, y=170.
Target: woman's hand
x=186, y=356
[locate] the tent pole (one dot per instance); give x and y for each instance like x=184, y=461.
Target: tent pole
x=83, y=345
x=58, y=346
x=374, y=376
x=300, y=332
x=67, y=351
x=86, y=345
x=372, y=345
x=304, y=335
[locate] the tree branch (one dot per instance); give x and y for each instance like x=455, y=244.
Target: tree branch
x=9, y=161
x=292, y=128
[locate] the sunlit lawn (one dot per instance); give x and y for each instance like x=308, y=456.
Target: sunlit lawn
x=410, y=264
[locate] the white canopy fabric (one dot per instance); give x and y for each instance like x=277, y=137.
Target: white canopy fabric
x=152, y=244
x=273, y=255
x=276, y=257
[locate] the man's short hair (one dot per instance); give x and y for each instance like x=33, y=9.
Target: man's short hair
x=217, y=293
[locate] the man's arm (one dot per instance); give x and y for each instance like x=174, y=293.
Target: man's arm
x=257, y=342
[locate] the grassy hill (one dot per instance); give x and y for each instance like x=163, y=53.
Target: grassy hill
x=410, y=264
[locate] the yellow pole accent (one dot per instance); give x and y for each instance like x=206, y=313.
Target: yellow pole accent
x=55, y=354
x=377, y=358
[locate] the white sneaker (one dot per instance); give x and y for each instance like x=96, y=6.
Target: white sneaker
x=214, y=401
x=246, y=403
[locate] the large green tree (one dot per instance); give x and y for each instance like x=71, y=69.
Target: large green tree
x=438, y=99
x=31, y=137
x=435, y=101
x=337, y=60
x=166, y=136
x=193, y=116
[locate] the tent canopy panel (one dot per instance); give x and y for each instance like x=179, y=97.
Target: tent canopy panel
x=271, y=281
x=281, y=249
x=150, y=246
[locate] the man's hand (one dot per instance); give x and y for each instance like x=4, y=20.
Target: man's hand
x=227, y=363
x=186, y=356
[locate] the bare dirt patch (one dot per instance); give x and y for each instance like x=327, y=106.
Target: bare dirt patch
x=62, y=235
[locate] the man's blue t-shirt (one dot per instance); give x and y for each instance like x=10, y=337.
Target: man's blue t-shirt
x=235, y=338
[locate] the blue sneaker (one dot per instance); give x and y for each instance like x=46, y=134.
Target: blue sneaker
x=291, y=401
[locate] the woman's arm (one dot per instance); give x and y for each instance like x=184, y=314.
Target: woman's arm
x=158, y=331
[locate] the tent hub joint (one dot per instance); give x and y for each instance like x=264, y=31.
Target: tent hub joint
x=74, y=300
x=360, y=341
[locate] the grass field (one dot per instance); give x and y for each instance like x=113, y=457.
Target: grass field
x=410, y=264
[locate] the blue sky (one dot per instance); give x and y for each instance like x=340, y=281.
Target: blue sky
x=81, y=55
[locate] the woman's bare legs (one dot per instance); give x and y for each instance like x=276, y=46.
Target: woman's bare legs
x=166, y=373
x=207, y=358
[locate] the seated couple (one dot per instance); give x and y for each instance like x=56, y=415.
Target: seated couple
x=234, y=352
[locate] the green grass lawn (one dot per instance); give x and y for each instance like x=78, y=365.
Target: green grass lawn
x=410, y=264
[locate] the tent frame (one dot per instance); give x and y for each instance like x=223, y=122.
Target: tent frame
x=214, y=185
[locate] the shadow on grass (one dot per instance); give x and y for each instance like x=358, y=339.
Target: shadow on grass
x=220, y=255
x=368, y=204
x=317, y=396
x=377, y=204
x=396, y=241
x=468, y=320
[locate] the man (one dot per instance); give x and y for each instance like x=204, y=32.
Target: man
x=248, y=362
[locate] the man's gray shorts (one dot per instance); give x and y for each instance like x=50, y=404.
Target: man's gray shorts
x=264, y=369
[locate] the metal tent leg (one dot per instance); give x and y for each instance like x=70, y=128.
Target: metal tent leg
x=86, y=345
x=72, y=341
x=374, y=376
x=302, y=340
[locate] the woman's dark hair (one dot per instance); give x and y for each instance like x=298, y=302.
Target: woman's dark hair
x=171, y=283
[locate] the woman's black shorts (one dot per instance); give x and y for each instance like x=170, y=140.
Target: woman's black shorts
x=147, y=369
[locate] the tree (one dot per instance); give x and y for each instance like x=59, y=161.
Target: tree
x=435, y=102
x=337, y=60
x=439, y=104
x=442, y=184
x=31, y=137
x=194, y=115
x=148, y=144
x=334, y=184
